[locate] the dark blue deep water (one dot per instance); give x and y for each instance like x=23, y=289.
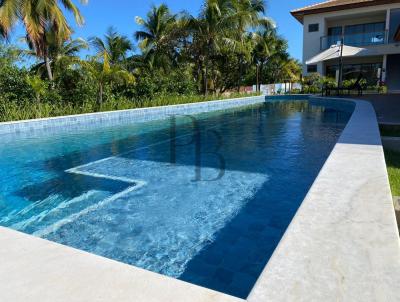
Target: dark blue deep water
x=202, y=198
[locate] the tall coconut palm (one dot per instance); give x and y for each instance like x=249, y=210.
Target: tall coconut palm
x=247, y=14
x=278, y=57
x=207, y=31
x=104, y=73
x=40, y=17
x=158, y=33
x=290, y=72
x=115, y=46
x=61, y=55
x=109, y=63
x=268, y=46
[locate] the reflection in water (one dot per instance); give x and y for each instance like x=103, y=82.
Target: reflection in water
x=218, y=234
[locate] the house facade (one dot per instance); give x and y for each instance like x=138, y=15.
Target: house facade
x=369, y=32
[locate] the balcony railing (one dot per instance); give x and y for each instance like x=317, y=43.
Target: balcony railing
x=358, y=40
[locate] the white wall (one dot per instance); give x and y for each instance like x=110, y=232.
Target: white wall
x=311, y=41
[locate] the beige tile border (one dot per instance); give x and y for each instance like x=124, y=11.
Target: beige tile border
x=342, y=244
x=33, y=269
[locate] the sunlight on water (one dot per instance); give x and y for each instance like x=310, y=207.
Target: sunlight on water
x=204, y=199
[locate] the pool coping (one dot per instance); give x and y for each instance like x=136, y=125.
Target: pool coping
x=347, y=247
x=331, y=251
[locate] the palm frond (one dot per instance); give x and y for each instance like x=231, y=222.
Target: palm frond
x=9, y=15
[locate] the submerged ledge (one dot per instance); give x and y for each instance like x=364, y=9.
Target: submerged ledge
x=342, y=245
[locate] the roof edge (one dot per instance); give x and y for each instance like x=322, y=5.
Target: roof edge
x=311, y=10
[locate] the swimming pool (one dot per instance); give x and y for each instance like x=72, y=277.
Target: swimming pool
x=203, y=198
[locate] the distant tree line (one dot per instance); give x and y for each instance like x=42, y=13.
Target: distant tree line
x=230, y=44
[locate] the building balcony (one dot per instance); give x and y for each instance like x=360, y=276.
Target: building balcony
x=356, y=39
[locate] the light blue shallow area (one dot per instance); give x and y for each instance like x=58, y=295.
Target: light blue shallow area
x=204, y=198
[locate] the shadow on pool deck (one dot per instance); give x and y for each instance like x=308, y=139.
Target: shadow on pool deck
x=387, y=106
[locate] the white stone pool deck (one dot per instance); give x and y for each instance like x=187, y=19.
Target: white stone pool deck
x=342, y=245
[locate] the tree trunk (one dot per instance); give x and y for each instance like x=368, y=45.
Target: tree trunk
x=240, y=73
x=257, y=79
x=100, y=93
x=48, y=68
x=206, y=78
x=199, y=75
x=213, y=80
x=260, y=71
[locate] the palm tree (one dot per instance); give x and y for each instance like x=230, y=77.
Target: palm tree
x=104, y=73
x=207, y=32
x=159, y=31
x=61, y=55
x=290, y=71
x=110, y=61
x=40, y=17
x=248, y=14
x=268, y=47
x=115, y=46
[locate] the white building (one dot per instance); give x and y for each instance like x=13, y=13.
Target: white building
x=370, y=31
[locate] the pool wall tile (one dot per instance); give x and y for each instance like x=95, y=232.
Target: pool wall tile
x=342, y=245
x=93, y=120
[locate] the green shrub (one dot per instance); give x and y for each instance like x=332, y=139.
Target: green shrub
x=312, y=83
x=295, y=91
x=382, y=88
x=348, y=83
x=150, y=85
x=10, y=111
x=76, y=86
x=328, y=82
x=13, y=84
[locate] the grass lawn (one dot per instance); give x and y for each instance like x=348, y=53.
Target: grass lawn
x=393, y=167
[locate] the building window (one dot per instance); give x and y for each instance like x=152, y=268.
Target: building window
x=364, y=34
x=311, y=68
x=334, y=35
x=394, y=29
x=313, y=27
x=371, y=72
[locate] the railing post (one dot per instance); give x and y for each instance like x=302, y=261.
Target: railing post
x=341, y=63
x=387, y=26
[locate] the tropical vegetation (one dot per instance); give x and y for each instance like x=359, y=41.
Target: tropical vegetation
x=174, y=57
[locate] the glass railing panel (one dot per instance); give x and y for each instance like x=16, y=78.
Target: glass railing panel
x=357, y=39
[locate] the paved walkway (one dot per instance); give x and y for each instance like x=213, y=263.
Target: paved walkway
x=387, y=107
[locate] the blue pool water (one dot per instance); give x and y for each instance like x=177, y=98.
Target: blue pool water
x=204, y=199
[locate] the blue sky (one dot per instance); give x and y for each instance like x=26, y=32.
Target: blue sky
x=100, y=14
